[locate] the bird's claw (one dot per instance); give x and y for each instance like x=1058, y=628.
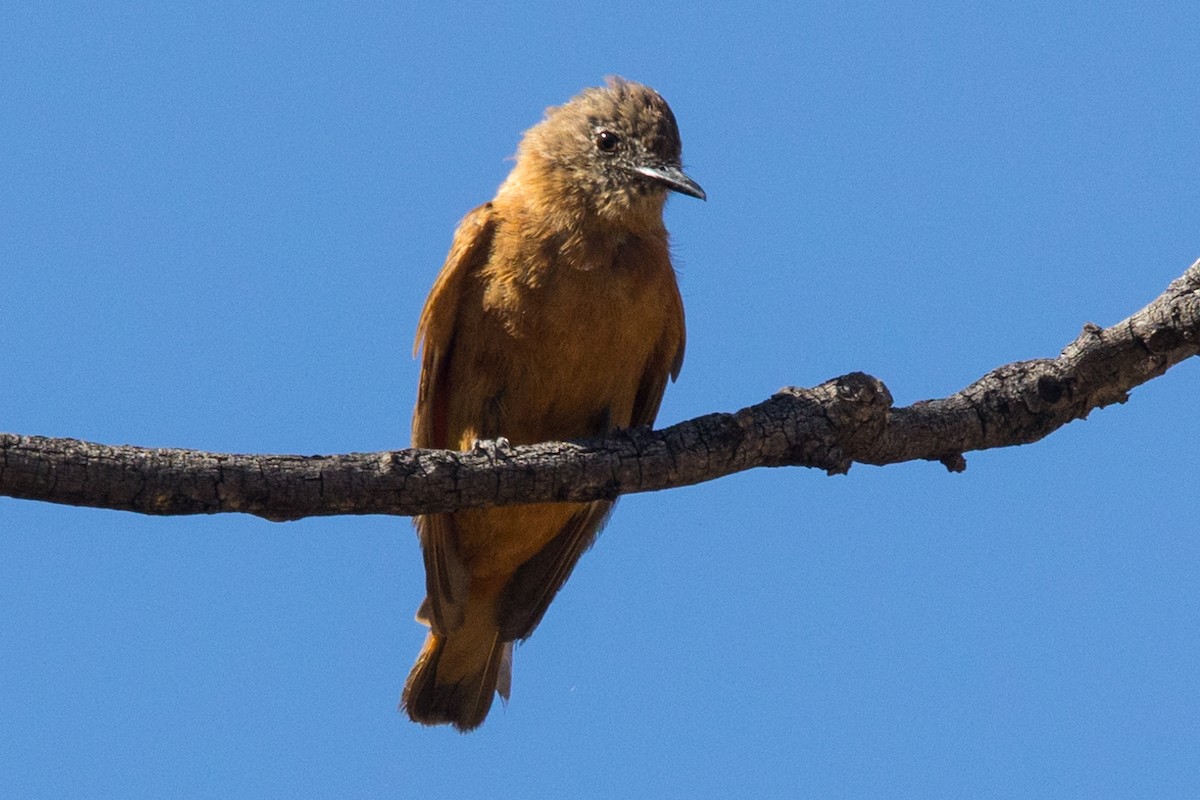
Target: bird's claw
x=492, y=448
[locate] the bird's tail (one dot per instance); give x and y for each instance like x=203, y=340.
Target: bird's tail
x=456, y=675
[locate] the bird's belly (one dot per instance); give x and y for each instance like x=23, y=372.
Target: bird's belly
x=573, y=370
x=580, y=367
x=495, y=541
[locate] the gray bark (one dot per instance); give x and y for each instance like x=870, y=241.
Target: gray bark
x=846, y=420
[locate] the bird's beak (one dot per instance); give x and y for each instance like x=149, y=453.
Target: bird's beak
x=671, y=176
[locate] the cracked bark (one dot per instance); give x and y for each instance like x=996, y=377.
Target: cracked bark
x=831, y=426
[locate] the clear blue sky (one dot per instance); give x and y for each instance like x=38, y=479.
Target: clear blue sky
x=217, y=227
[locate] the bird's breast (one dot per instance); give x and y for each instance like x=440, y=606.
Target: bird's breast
x=577, y=340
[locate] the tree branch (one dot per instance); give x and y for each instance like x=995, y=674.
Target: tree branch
x=829, y=427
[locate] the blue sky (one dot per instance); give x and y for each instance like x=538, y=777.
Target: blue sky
x=217, y=227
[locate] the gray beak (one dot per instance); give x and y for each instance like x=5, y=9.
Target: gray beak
x=671, y=176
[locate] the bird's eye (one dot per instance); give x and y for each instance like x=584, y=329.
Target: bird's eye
x=607, y=141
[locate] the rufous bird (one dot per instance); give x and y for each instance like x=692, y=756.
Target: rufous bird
x=556, y=316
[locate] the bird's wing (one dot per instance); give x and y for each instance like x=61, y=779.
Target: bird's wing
x=445, y=574
x=666, y=361
x=537, y=581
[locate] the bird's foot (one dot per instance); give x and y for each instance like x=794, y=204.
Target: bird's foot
x=492, y=448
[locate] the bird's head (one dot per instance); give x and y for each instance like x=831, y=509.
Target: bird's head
x=614, y=150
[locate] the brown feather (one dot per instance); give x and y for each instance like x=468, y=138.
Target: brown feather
x=535, y=583
x=555, y=316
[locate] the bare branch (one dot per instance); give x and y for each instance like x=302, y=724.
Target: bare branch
x=845, y=420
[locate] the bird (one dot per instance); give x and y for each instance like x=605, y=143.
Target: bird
x=557, y=315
